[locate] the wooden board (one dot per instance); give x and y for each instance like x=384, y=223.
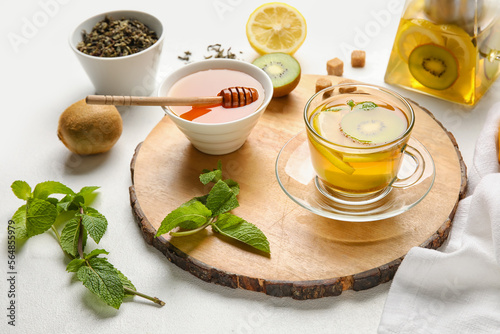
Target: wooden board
x=312, y=256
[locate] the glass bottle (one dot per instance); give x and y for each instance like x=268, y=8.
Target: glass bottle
x=449, y=49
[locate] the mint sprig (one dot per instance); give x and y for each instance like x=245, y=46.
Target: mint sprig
x=213, y=209
x=40, y=214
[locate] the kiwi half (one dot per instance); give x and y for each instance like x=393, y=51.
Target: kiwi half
x=433, y=66
x=283, y=69
x=374, y=126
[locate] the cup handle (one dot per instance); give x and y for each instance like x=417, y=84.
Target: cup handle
x=417, y=157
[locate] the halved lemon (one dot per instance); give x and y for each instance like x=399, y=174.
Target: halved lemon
x=276, y=27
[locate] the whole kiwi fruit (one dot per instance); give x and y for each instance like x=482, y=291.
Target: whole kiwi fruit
x=89, y=129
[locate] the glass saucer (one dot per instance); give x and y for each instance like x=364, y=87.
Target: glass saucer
x=297, y=178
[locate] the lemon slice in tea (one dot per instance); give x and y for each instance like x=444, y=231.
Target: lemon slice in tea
x=326, y=123
x=333, y=157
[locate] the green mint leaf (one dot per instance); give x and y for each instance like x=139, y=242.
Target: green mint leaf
x=95, y=253
x=70, y=234
x=193, y=224
x=40, y=216
x=70, y=202
x=333, y=109
x=87, y=190
x=21, y=189
x=367, y=105
x=228, y=220
x=74, y=265
x=221, y=199
x=235, y=187
x=19, y=219
x=214, y=176
x=52, y=201
x=78, y=201
x=45, y=189
x=125, y=282
x=101, y=278
x=191, y=211
x=208, y=177
x=237, y=228
x=202, y=199
x=64, y=204
x=94, y=222
x=351, y=104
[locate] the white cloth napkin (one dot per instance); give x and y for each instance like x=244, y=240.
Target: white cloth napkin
x=456, y=289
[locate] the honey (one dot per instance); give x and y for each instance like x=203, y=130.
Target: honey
x=210, y=83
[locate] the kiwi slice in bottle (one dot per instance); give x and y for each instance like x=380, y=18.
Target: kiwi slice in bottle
x=433, y=66
x=376, y=126
x=283, y=69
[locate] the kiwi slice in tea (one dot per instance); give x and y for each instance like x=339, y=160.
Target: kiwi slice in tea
x=376, y=126
x=283, y=69
x=433, y=66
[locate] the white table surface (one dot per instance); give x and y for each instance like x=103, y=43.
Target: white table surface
x=42, y=77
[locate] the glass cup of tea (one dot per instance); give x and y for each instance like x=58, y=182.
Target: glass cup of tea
x=358, y=138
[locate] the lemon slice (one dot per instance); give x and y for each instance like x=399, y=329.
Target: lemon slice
x=276, y=27
x=414, y=33
x=326, y=124
x=321, y=122
x=333, y=157
x=459, y=43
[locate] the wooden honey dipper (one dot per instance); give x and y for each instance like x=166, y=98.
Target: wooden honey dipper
x=231, y=97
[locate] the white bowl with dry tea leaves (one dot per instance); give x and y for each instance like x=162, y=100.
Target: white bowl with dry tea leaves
x=120, y=51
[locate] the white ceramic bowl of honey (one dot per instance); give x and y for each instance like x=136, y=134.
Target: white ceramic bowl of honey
x=218, y=130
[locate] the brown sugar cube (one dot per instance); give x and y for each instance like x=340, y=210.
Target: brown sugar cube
x=348, y=89
x=358, y=58
x=322, y=83
x=335, y=66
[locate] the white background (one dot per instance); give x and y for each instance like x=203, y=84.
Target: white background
x=41, y=77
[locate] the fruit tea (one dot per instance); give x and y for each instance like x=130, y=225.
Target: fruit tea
x=357, y=144
x=210, y=83
x=449, y=61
